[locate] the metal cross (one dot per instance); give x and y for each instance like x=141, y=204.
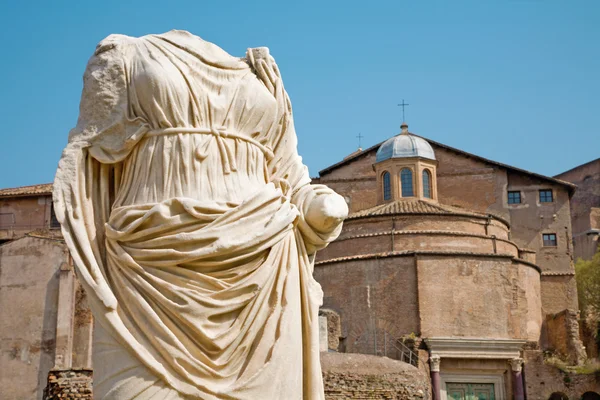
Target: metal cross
x=403, y=104
x=359, y=137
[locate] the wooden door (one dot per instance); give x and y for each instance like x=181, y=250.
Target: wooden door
x=470, y=391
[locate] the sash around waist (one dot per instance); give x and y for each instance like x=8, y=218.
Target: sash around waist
x=181, y=230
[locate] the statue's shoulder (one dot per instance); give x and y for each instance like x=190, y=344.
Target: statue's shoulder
x=111, y=42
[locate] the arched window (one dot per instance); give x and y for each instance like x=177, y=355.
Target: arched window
x=590, y=396
x=387, y=186
x=406, y=182
x=426, y=184
x=558, y=396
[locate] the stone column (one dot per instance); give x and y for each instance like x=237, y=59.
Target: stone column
x=323, y=339
x=64, y=318
x=516, y=366
x=436, y=383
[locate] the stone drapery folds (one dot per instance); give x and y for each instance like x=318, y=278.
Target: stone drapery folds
x=193, y=224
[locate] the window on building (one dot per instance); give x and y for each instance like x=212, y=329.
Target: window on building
x=426, y=184
x=53, y=221
x=514, y=197
x=549, y=239
x=546, y=196
x=406, y=182
x=387, y=186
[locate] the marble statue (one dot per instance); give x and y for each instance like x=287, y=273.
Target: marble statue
x=193, y=224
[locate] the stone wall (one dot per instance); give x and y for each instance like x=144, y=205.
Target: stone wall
x=69, y=385
x=487, y=297
x=376, y=301
x=29, y=292
x=359, y=376
x=559, y=292
x=563, y=336
x=542, y=380
x=590, y=339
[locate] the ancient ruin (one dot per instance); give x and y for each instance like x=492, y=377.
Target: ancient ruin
x=451, y=277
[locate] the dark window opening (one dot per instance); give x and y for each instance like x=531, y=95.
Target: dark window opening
x=387, y=186
x=406, y=182
x=53, y=221
x=590, y=396
x=546, y=196
x=514, y=197
x=549, y=239
x=558, y=396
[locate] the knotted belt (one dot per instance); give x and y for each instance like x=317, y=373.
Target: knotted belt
x=220, y=134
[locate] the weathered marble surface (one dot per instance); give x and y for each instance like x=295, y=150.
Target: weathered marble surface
x=193, y=224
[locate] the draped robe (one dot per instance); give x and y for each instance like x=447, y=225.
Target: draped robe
x=182, y=199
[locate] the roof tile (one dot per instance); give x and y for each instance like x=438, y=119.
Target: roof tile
x=32, y=190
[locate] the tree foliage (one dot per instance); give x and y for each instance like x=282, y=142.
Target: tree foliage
x=587, y=273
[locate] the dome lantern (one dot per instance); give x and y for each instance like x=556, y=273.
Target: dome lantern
x=406, y=168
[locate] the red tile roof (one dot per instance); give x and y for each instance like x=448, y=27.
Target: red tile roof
x=416, y=206
x=32, y=190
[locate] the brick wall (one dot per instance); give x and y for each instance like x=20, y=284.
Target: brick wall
x=478, y=297
x=359, y=376
x=376, y=301
x=20, y=215
x=29, y=291
x=559, y=292
x=563, y=336
x=585, y=206
x=541, y=380
x=475, y=185
x=69, y=385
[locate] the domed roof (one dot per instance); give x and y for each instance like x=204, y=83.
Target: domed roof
x=404, y=145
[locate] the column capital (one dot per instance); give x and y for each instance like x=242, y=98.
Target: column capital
x=516, y=364
x=434, y=363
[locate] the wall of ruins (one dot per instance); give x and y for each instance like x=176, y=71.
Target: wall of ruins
x=563, y=336
x=542, y=380
x=359, y=376
x=29, y=294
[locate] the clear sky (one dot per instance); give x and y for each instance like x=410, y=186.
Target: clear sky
x=514, y=81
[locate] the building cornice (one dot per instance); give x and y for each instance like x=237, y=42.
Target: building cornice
x=412, y=253
x=453, y=347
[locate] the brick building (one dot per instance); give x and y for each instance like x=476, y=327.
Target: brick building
x=465, y=258
x=45, y=323
x=458, y=265
x=585, y=207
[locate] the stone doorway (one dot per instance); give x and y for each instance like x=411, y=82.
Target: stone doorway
x=470, y=391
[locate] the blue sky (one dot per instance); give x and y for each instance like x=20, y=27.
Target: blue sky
x=514, y=81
